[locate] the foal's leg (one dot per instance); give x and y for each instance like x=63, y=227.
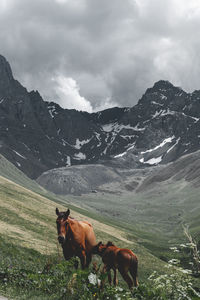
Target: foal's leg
x=115, y=281
x=103, y=272
x=134, y=275
x=126, y=277
x=109, y=276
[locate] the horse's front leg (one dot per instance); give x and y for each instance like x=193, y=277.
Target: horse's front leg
x=108, y=270
x=88, y=259
x=82, y=257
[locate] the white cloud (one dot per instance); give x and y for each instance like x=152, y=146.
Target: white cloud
x=61, y=1
x=114, y=49
x=4, y=5
x=106, y=103
x=67, y=91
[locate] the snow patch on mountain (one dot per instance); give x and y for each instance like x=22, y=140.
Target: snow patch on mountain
x=52, y=110
x=156, y=103
x=19, y=154
x=163, y=97
x=196, y=119
x=152, y=161
x=79, y=156
x=79, y=143
x=177, y=141
x=124, y=153
x=115, y=127
x=165, y=141
x=68, y=162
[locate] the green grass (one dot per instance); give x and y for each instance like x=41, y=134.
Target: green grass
x=146, y=223
x=29, y=238
x=155, y=216
x=9, y=171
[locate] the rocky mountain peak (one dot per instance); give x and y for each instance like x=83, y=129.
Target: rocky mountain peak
x=36, y=135
x=5, y=69
x=6, y=76
x=162, y=85
x=165, y=94
x=10, y=89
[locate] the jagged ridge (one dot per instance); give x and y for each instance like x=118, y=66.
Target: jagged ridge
x=36, y=135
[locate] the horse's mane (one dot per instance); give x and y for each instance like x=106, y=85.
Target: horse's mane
x=109, y=244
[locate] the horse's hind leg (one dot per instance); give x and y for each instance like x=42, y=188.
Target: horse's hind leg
x=126, y=277
x=133, y=271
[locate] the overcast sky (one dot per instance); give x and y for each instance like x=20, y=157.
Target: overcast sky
x=94, y=54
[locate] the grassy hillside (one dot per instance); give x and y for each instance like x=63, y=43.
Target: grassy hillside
x=9, y=171
x=28, y=231
x=29, y=220
x=28, y=238
x=154, y=217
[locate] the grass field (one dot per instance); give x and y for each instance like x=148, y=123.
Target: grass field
x=155, y=218
x=28, y=237
x=28, y=230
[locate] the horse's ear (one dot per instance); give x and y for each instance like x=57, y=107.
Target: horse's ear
x=109, y=244
x=67, y=213
x=57, y=211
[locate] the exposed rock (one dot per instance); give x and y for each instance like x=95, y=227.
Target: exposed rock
x=77, y=179
x=186, y=168
x=37, y=136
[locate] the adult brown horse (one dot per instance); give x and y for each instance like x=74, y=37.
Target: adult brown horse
x=118, y=258
x=76, y=237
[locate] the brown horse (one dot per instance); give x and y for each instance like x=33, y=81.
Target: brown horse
x=117, y=258
x=76, y=237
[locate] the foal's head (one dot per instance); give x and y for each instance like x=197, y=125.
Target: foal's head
x=62, y=225
x=99, y=249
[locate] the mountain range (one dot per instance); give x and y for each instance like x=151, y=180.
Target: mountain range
x=37, y=136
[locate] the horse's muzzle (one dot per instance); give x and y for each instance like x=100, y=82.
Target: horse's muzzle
x=61, y=239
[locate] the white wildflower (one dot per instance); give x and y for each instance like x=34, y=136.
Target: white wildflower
x=92, y=278
x=183, y=246
x=174, y=261
x=186, y=271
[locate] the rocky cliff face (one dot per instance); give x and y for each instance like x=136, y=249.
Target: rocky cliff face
x=37, y=136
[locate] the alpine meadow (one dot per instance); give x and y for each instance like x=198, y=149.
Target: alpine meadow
x=99, y=150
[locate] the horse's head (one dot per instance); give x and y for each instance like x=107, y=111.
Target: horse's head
x=99, y=249
x=62, y=225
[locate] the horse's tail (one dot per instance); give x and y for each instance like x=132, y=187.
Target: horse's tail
x=134, y=269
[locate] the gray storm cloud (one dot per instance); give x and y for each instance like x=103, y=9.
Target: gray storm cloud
x=91, y=54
